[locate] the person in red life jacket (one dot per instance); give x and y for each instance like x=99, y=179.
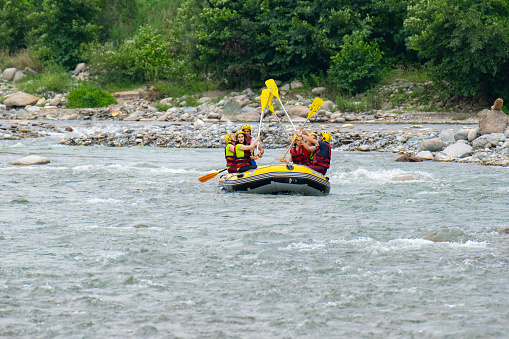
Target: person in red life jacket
x=321, y=149
x=242, y=157
x=229, y=152
x=307, y=143
x=247, y=131
x=299, y=155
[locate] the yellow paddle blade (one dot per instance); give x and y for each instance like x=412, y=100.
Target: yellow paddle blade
x=264, y=98
x=271, y=108
x=315, y=106
x=207, y=176
x=271, y=85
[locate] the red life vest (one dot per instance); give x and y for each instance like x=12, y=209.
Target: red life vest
x=230, y=157
x=241, y=157
x=322, y=157
x=248, y=142
x=300, y=156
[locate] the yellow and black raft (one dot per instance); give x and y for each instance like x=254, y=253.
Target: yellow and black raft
x=277, y=179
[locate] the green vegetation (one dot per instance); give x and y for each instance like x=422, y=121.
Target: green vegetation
x=345, y=45
x=87, y=96
x=53, y=80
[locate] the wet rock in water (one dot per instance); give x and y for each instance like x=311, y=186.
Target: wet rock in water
x=69, y=129
x=493, y=122
x=31, y=160
x=409, y=158
x=425, y=155
x=505, y=230
x=458, y=150
x=432, y=145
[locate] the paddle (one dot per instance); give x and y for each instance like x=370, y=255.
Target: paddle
x=271, y=108
x=264, y=98
x=210, y=175
x=315, y=106
x=271, y=85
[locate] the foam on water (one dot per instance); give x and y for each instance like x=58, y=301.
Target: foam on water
x=381, y=176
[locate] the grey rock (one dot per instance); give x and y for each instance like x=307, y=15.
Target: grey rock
x=462, y=135
x=318, y=90
x=55, y=101
x=9, y=73
x=493, y=122
x=190, y=110
x=409, y=158
x=425, y=155
x=491, y=139
x=440, y=156
x=31, y=160
x=21, y=114
x=447, y=136
x=296, y=84
x=298, y=111
x=327, y=105
x=231, y=107
x=285, y=87
x=29, y=71
x=19, y=76
x=432, y=145
x=473, y=133
x=458, y=150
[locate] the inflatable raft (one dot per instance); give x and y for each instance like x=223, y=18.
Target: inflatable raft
x=275, y=179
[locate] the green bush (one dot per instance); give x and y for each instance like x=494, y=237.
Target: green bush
x=146, y=58
x=53, y=80
x=20, y=60
x=89, y=96
x=357, y=66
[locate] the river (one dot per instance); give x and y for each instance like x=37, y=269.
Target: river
x=126, y=242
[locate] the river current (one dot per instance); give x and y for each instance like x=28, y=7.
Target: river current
x=126, y=242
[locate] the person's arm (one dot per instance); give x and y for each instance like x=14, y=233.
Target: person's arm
x=310, y=139
x=309, y=147
x=250, y=147
x=231, y=148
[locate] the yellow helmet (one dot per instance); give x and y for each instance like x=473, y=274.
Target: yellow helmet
x=316, y=135
x=239, y=132
x=325, y=136
x=228, y=138
x=246, y=127
x=295, y=137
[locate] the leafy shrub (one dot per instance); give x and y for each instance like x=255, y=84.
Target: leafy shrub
x=53, y=80
x=357, y=66
x=162, y=107
x=146, y=58
x=89, y=96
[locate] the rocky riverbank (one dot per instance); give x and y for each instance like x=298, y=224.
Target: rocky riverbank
x=178, y=125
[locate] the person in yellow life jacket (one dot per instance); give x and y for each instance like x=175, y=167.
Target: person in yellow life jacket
x=322, y=151
x=242, y=160
x=247, y=131
x=229, y=154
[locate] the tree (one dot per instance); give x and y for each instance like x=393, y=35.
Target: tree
x=464, y=41
x=358, y=65
x=14, y=25
x=245, y=41
x=62, y=27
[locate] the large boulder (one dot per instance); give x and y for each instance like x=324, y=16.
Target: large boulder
x=9, y=74
x=327, y=105
x=488, y=139
x=318, y=90
x=248, y=116
x=21, y=99
x=31, y=160
x=458, y=150
x=19, y=76
x=29, y=71
x=432, y=145
x=231, y=107
x=298, y=111
x=447, y=136
x=493, y=122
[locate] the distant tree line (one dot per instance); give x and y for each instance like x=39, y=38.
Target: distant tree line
x=348, y=43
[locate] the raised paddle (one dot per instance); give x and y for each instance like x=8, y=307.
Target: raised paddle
x=315, y=106
x=271, y=108
x=210, y=175
x=264, y=98
x=271, y=85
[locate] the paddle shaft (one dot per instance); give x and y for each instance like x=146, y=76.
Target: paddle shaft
x=284, y=109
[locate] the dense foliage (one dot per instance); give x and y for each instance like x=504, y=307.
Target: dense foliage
x=347, y=44
x=87, y=96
